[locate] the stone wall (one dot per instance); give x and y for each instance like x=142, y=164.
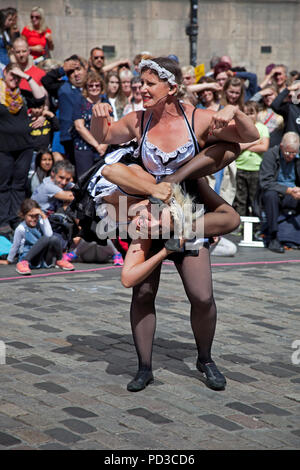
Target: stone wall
x=238, y=28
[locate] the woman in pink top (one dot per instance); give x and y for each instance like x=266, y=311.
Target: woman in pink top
x=38, y=35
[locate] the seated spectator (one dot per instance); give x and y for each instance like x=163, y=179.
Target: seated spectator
x=6, y=20
x=115, y=94
x=44, y=162
x=289, y=110
x=16, y=145
x=136, y=103
x=34, y=243
x=42, y=133
x=38, y=35
x=233, y=92
x=87, y=148
x=55, y=190
x=279, y=180
x=248, y=164
x=267, y=116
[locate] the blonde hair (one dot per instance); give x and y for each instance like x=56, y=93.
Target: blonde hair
x=40, y=11
x=183, y=211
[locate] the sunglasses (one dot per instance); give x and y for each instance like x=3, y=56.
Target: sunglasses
x=98, y=57
x=94, y=85
x=35, y=16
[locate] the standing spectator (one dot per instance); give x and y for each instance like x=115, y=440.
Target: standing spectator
x=38, y=35
x=42, y=134
x=21, y=53
x=279, y=179
x=267, y=116
x=233, y=92
x=69, y=97
x=136, y=103
x=208, y=91
x=6, y=20
x=188, y=74
x=289, y=110
x=87, y=149
x=248, y=164
x=125, y=78
x=251, y=78
x=278, y=76
x=220, y=73
x=115, y=94
x=97, y=60
x=14, y=29
x=16, y=146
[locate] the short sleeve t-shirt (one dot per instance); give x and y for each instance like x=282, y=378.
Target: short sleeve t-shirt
x=44, y=195
x=36, y=38
x=36, y=73
x=248, y=160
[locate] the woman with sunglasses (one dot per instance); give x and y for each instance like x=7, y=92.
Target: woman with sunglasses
x=38, y=35
x=87, y=149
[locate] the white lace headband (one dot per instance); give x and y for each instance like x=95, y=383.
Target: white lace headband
x=161, y=71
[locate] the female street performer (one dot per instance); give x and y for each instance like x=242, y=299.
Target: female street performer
x=168, y=147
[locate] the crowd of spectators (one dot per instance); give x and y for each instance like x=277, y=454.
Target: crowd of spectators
x=45, y=114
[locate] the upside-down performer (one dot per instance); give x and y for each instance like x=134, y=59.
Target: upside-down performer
x=177, y=144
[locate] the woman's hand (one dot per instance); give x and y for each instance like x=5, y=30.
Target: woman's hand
x=162, y=191
x=222, y=118
x=103, y=111
x=101, y=149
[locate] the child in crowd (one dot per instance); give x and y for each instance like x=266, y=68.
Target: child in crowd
x=34, y=243
x=44, y=162
x=42, y=130
x=248, y=164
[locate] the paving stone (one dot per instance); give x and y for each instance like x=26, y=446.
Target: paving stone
x=152, y=417
x=19, y=345
x=236, y=359
x=240, y=377
x=246, y=409
x=78, y=426
x=45, y=328
x=79, y=412
x=247, y=421
x=51, y=387
x=271, y=370
x=220, y=422
x=39, y=361
x=268, y=408
x=7, y=440
x=32, y=369
x=62, y=435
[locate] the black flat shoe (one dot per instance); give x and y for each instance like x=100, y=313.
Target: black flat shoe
x=140, y=381
x=214, y=379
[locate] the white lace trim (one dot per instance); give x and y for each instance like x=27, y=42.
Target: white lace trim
x=161, y=71
x=167, y=156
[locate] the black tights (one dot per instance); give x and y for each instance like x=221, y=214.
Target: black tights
x=195, y=273
x=45, y=249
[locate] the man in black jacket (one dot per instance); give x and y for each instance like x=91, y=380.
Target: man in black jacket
x=287, y=104
x=279, y=180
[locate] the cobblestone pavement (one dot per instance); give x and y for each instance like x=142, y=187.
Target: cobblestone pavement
x=69, y=356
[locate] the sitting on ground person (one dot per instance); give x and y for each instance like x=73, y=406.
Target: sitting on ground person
x=34, y=243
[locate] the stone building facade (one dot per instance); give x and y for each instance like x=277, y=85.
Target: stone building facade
x=254, y=33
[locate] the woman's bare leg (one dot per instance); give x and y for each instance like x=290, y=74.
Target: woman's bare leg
x=207, y=162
